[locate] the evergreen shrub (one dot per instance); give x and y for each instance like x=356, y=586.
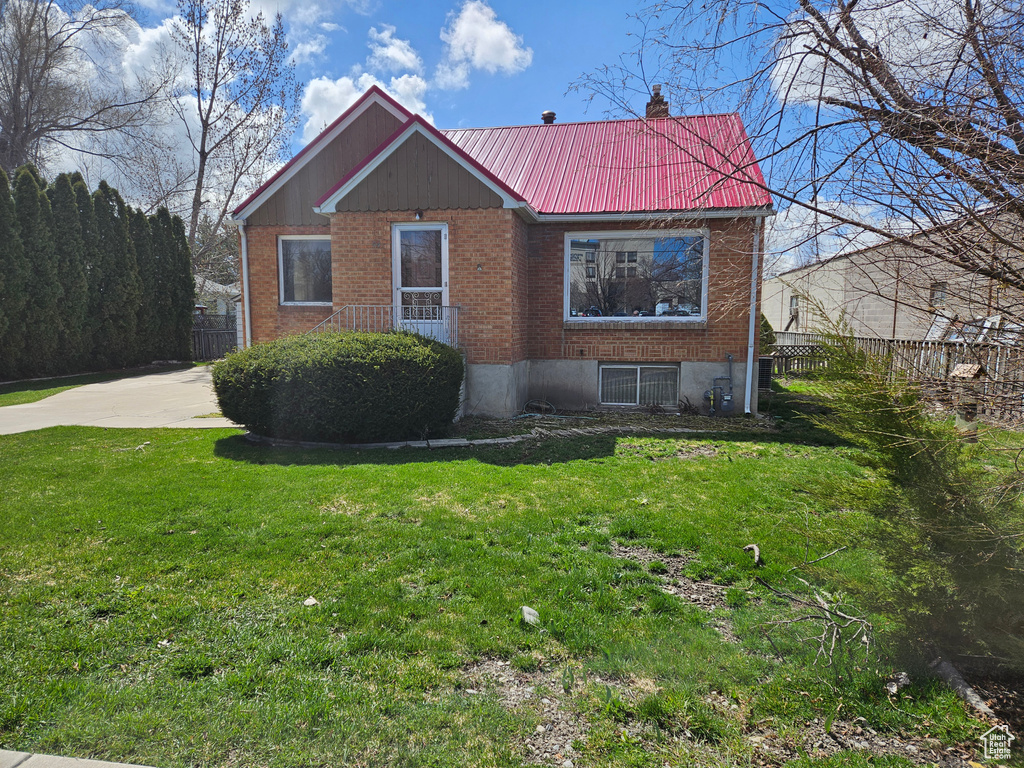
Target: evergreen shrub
x=342, y=387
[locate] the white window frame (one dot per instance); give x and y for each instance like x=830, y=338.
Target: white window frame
x=637, y=234
x=602, y=367
x=396, y=257
x=280, y=272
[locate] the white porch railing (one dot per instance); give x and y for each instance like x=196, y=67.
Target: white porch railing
x=440, y=323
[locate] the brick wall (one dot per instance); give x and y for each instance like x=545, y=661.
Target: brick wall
x=507, y=278
x=486, y=255
x=551, y=338
x=271, y=320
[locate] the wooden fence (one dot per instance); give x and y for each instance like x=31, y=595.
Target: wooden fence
x=213, y=336
x=1000, y=390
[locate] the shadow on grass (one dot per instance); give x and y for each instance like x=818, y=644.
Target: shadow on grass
x=791, y=412
x=549, y=450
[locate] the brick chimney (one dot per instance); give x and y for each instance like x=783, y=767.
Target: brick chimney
x=657, y=106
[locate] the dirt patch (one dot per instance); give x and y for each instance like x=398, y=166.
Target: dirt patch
x=560, y=731
x=700, y=593
x=695, y=451
x=772, y=748
x=1004, y=693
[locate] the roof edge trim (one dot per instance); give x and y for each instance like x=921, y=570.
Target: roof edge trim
x=694, y=213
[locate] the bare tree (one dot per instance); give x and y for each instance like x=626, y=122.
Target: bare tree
x=59, y=84
x=899, y=118
x=215, y=257
x=241, y=102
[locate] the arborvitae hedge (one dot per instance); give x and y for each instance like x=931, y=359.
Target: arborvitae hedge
x=13, y=278
x=80, y=285
x=176, y=289
x=342, y=387
x=72, y=352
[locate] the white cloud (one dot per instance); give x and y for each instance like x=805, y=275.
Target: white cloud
x=309, y=50
x=476, y=39
x=325, y=99
x=799, y=236
x=919, y=39
x=389, y=54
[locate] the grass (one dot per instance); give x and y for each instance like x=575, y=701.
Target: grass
x=22, y=392
x=153, y=587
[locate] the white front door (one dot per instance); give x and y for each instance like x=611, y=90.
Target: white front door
x=420, y=275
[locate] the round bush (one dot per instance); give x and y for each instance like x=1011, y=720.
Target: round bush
x=342, y=387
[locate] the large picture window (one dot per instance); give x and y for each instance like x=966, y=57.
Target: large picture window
x=636, y=276
x=304, y=264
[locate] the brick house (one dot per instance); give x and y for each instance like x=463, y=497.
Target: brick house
x=610, y=263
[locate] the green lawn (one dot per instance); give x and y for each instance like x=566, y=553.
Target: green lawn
x=153, y=588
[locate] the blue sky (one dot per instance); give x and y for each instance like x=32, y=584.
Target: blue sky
x=500, y=62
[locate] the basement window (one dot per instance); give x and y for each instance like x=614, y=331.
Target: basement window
x=639, y=385
x=304, y=269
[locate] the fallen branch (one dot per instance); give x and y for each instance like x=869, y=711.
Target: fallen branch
x=818, y=559
x=948, y=672
x=838, y=628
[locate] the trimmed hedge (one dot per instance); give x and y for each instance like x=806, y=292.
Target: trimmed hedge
x=342, y=387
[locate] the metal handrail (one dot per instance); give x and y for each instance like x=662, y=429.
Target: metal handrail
x=441, y=323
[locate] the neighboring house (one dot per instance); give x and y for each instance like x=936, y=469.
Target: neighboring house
x=889, y=291
x=216, y=298
x=586, y=264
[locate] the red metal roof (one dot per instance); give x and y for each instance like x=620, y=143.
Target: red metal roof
x=623, y=166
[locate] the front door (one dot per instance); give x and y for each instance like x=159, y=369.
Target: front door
x=420, y=273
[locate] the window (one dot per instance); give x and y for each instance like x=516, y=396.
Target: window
x=937, y=294
x=794, y=305
x=304, y=269
x=666, y=277
x=639, y=385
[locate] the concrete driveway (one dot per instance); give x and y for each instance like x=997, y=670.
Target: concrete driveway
x=172, y=399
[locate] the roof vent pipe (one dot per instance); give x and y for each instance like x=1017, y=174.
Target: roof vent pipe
x=547, y=116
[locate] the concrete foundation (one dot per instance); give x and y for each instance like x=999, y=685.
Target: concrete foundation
x=570, y=385
x=496, y=390
x=573, y=385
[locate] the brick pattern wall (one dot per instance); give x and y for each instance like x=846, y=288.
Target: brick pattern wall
x=551, y=338
x=271, y=320
x=486, y=251
x=507, y=277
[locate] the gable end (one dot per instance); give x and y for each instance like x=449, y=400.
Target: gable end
x=292, y=204
x=418, y=175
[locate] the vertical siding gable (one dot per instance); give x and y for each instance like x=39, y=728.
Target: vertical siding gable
x=418, y=175
x=292, y=205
